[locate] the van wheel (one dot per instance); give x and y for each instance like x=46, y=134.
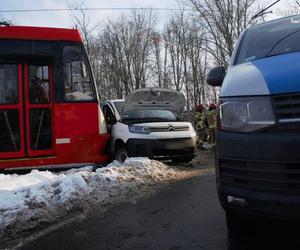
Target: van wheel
x=121, y=153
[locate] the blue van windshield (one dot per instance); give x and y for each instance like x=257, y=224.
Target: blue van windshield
x=269, y=39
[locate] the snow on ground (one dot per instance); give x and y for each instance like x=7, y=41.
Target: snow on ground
x=42, y=197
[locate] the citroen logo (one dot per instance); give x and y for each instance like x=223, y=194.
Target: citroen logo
x=171, y=128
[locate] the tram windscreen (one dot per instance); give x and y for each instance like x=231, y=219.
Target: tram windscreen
x=77, y=79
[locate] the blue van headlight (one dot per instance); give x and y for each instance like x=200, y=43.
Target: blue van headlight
x=139, y=129
x=245, y=114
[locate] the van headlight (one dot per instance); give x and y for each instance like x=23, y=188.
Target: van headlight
x=139, y=129
x=246, y=114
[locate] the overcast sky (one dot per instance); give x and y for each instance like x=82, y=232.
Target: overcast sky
x=64, y=19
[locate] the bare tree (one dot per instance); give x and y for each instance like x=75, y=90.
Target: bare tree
x=199, y=61
x=157, y=42
x=128, y=47
x=83, y=22
x=174, y=37
x=130, y=52
x=188, y=58
x=224, y=21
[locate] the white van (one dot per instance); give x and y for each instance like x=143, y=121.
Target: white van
x=149, y=123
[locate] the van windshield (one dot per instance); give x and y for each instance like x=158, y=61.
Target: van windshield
x=270, y=39
x=148, y=116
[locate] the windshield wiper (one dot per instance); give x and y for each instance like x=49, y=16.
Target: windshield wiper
x=278, y=42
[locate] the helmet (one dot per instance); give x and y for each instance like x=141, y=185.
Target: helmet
x=212, y=106
x=199, y=107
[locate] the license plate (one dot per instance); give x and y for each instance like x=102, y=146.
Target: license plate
x=174, y=145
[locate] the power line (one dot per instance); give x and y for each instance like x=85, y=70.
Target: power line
x=90, y=9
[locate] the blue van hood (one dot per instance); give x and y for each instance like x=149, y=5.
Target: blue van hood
x=272, y=75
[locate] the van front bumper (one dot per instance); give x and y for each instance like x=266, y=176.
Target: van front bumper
x=263, y=169
x=162, y=148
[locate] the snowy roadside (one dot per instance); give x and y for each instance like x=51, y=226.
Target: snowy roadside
x=41, y=197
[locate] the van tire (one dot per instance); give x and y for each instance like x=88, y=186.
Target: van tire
x=121, y=153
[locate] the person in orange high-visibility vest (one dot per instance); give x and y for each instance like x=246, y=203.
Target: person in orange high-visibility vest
x=211, y=120
x=201, y=124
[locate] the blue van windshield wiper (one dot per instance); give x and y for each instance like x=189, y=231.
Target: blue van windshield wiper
x=278, y=42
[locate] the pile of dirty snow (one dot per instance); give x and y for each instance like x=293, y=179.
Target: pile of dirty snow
x=43, y=197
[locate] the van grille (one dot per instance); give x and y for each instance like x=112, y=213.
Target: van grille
x=272, y=177
x=169, y=129
x=287, y=107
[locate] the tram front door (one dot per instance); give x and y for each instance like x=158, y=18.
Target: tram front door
x=26, y=110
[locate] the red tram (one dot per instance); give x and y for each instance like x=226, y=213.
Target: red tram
x=49, y=104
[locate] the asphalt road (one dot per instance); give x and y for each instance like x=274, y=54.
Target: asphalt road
x=185, y=215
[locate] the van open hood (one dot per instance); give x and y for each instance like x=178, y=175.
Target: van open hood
x=155, y=98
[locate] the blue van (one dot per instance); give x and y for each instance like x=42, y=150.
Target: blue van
x=258, y=137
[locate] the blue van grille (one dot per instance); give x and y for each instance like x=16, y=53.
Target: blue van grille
x=287, y=107
x=271, y=177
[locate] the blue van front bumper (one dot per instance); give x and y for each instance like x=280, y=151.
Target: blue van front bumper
x=263, y=168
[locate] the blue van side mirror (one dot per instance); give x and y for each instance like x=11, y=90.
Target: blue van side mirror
x=216, y=76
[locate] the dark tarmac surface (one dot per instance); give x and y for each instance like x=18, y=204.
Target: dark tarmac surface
x=186, y=215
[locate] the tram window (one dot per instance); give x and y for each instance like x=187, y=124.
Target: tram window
x=40, y=129
x=8, y=84
x=9, y=131
x=39, y=91
x=77, y=80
